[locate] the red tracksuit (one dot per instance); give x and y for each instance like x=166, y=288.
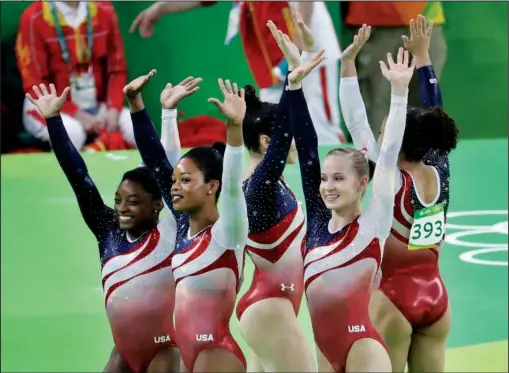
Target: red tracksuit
x=40, y=56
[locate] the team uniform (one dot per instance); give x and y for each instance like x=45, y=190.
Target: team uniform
x=136, y=274
x=207, y=266
x=410, y=276
x=339, y=267
x=276, y=223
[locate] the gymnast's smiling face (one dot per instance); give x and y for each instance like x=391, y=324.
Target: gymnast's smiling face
x=134, y=207
x=190, y=191
x=344, y=178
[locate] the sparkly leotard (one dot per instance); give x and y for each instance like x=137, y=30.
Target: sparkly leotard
x=409, y=278
x=207, y=266
x=340, y=266
x=136, y=274
x=277, y=223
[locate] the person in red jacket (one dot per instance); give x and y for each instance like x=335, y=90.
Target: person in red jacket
x=267, y=64
x=76, y=44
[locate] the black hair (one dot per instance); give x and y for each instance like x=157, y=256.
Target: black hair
x=428, y=129
x=209, y=159
x=145, y=178
x=360, y=162
x=372, y=166
x=259, y=120
x=220, y=147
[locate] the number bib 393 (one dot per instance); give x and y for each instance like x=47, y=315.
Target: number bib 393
x=428, y=228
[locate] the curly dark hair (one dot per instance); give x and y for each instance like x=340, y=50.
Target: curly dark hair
x=428, y=129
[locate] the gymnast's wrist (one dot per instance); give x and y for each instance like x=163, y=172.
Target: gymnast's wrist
x=306, y=56
x=294, y=86
x=169, y=113
x=422, y=60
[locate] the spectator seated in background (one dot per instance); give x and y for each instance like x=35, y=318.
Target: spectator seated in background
x=76, y=44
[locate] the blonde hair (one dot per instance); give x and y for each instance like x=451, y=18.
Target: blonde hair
x=359, y=161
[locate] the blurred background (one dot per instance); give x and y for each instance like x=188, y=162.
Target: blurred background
x=474, y=80
x=53, y=317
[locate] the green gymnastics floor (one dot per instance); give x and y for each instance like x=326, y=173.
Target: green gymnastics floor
x=53, y=318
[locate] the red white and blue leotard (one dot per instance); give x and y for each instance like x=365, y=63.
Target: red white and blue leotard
x=340, y=266
x=409, y=278
x=207, y=266
x=276, y=223
x=136, y=275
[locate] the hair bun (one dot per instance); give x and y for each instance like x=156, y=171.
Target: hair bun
x=441, y=131
x=252, y=100
x=220, y=147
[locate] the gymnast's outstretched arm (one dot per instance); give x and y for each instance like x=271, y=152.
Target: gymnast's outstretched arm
x=231, y=229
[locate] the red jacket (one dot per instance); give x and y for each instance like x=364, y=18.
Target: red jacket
x=40, y=58
x=393, y=13
x=261, y=50
x=201, y=131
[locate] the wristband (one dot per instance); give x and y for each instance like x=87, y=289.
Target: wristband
x=169, y=113
x=306, y=56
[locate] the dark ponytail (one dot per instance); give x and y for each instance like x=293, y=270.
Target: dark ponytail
x=259, y=119
x=220, y=147
x=428, y=129
x=252, y=100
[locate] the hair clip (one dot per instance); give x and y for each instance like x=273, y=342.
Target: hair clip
x=364, y=152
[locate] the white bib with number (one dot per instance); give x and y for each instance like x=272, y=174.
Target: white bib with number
x=83, y=90
x=428, y=228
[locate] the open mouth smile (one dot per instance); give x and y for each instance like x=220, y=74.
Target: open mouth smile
x=176, y=197
x=331, y=197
